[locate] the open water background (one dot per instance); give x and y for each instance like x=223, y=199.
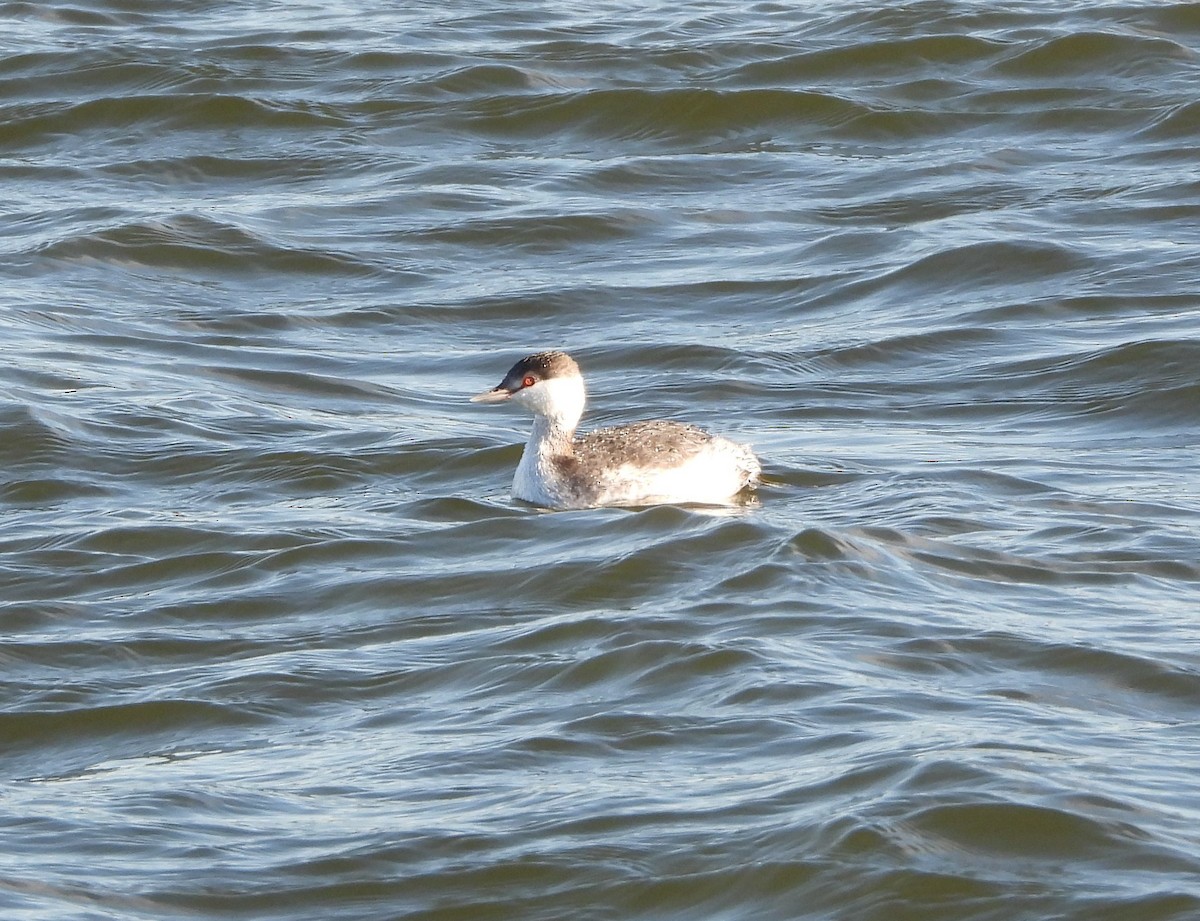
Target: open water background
x=276, y=644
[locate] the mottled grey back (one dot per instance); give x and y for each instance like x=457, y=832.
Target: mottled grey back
x=657, y=443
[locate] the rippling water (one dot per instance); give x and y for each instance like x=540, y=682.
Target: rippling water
x=277, y=644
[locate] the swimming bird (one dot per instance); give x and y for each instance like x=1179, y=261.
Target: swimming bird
x=645, y=463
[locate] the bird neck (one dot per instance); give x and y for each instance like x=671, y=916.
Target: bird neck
x=557, y=406
x=552, y=435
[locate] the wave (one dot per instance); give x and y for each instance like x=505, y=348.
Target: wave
x=200, y=243
x=886, y=57
x=1111, y=53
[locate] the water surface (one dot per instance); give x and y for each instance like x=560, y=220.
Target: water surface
x=278, y=645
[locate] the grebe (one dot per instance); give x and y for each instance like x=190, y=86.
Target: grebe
x=646, y=463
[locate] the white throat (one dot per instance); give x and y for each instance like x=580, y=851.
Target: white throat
x=556, y=403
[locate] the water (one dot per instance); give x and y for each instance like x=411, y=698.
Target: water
x=278, y=645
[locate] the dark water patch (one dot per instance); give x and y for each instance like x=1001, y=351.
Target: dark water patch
x=107, y=561
x=484, y=79
x=667, y=360
x=661, y=173
x=161, y=719
x=951, y=18
x=201, y=170
x=1173, y=18
x=671, y=115
x=933, y=350
x=26, y=124
x=1094, y=307
x=992, y=263
x=355, y=553
x=1089, y=119
x=263, y=381
x=48, y=491
x=148, y=541
x=1082, y=569
x=1033, y=832
x=872, y=59
x=558, y=636
x=121, y=12
x=280, y=56
x=1151, y=381
x=1179, y=121
x=815, y=545
x=540, y=233
x=921, y=206
x=61, y=13
x=102, y=577
x=763, y=692
x=31, y=440
x=1144, y=686
x=387, y=62
x=460, y=510
x=642, y=574
x=39, y=228
x=649, y=665
x=1090, y=53
x=171, y=647
x=665, y=667
x=957, y=270
x=37, y=75
x=762, y=577
x=198, y=243
x=232, y=608
x=306, y=684
x=272, y=469
x=1046, y=393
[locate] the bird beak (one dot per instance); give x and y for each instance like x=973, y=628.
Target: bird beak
x=499, y=395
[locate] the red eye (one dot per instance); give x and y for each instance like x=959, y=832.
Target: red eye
x=529, y=382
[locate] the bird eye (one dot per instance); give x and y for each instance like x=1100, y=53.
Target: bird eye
x=529, y=382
